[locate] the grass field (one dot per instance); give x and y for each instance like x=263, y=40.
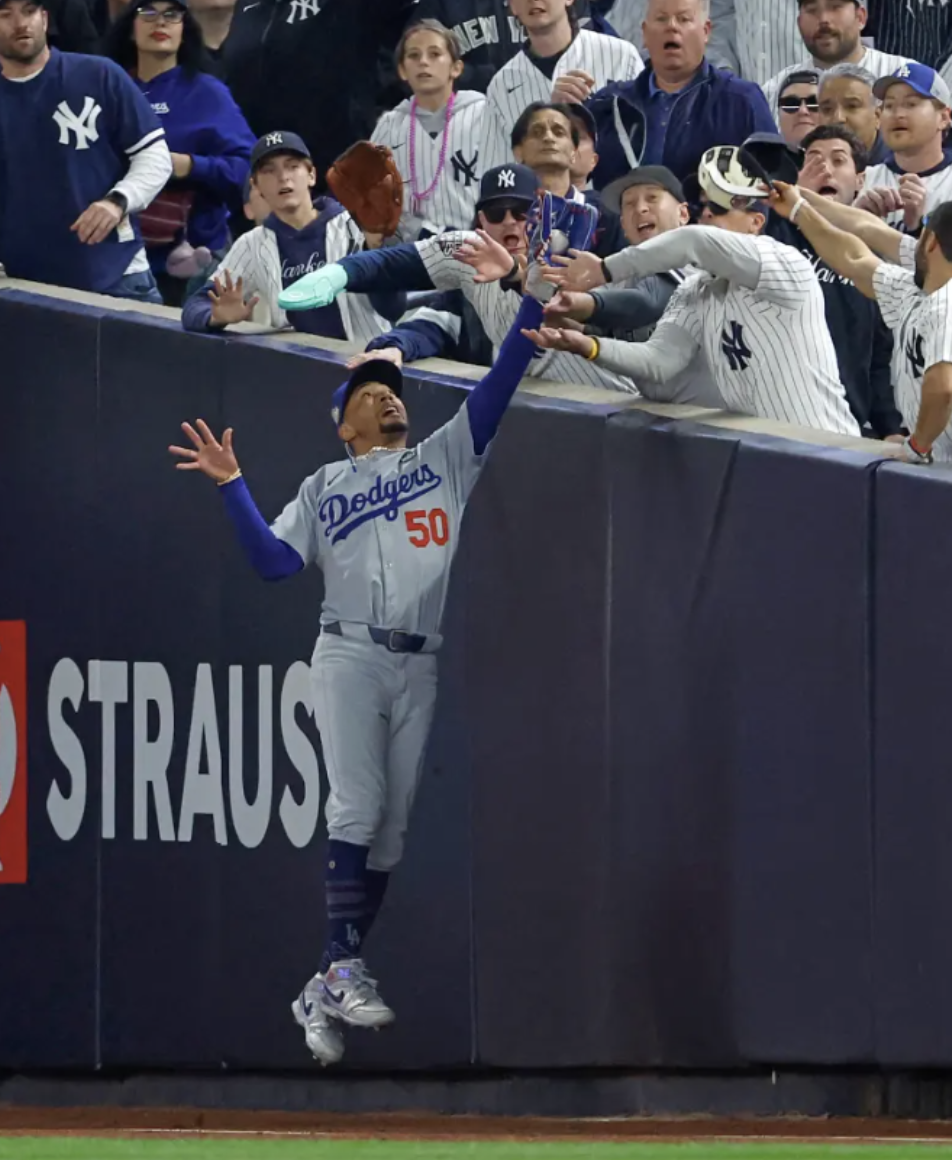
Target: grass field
x=317, y=1148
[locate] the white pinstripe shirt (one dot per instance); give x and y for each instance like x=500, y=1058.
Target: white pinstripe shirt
x=880, y=64
x=255, y=258
x=922, y=328
x=767, y=38
x=497, y=309
x=938, y=183
x=519, y=82
x=452, y=204
x=760, y=321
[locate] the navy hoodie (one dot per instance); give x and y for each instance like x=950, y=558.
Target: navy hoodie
x=200, y=118
x=717, y=108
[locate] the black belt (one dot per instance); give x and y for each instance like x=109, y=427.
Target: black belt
x=391, y=639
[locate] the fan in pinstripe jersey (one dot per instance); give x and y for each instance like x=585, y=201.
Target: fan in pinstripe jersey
x=555, y=48
x=434, y=136
x=298, y=236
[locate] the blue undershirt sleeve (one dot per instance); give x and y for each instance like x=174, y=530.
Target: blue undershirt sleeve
x=270, y=557
x=491, y=396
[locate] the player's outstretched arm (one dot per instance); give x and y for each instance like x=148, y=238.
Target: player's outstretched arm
x=490, y=397
x=271, y=558
x=848, y=255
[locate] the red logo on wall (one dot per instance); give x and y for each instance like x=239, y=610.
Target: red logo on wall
x=12, y=751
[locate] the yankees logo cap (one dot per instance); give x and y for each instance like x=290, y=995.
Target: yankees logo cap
x=279, y=142
x=920, y=78
x=375, y=370
x=507, y=183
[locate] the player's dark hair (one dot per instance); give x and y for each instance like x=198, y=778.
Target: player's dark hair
x=192, y=55
x=939, y=223
x=838, y=133
x=521, y=128
x=449, y=37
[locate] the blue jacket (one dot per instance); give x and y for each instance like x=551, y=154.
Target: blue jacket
x=717, y=108
x=200, y=118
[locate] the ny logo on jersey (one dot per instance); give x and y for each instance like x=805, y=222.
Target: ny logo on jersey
x=303, y=9
x=915, y=355
x=464, y=171
x=84, y=126
x=735, y=348
x=506, y=179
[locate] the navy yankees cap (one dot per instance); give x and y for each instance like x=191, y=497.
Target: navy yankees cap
x=507, y=183
x=279, y=142
x=658, y=175
x=920, y=78
x=375, y=370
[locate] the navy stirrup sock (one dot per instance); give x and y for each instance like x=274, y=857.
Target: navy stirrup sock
x=347, y=901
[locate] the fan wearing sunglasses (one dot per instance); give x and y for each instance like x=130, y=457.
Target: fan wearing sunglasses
x=799, y=105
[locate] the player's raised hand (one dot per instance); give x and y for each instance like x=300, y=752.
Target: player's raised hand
x=489, y=258
x=556, y=338
x=913, y=193
x=391, y=353
x=580, y=272
x=784, y=198
x=214, y=459
x=573, y=87
x=228, y=301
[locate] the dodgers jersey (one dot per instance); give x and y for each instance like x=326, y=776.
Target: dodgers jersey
x=938, y=183
x=520, y=82
x=922, y=329
x=67, y=135
x=384, y=527
x=452, y=202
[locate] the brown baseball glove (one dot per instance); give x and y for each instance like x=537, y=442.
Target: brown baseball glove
x=367, y=183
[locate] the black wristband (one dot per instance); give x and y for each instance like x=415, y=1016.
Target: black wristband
x=606, y=273
x=118, y=199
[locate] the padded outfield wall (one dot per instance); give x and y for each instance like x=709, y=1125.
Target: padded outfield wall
x=687, y=804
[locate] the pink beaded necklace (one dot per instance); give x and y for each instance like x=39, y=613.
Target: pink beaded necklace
x=418, y=195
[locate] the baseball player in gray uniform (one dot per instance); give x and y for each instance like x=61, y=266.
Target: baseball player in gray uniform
x=383, y=525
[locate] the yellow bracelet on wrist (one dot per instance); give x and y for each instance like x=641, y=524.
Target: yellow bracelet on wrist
x=595, y=351
x=231, y=478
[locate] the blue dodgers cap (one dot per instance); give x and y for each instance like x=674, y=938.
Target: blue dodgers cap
x=508, y=183
x=375, y=370
x=919, y=77
x=279, y=142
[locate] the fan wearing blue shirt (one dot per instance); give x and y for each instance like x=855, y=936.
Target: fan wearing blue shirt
x=159, y=43
x=81, y=153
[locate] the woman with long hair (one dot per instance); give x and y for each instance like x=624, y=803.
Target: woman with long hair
x=185, y=229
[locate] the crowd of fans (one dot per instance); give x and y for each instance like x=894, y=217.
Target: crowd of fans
x=175, y=151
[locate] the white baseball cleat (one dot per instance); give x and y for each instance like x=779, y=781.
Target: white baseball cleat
x=351, y=995
x=324, y=1040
